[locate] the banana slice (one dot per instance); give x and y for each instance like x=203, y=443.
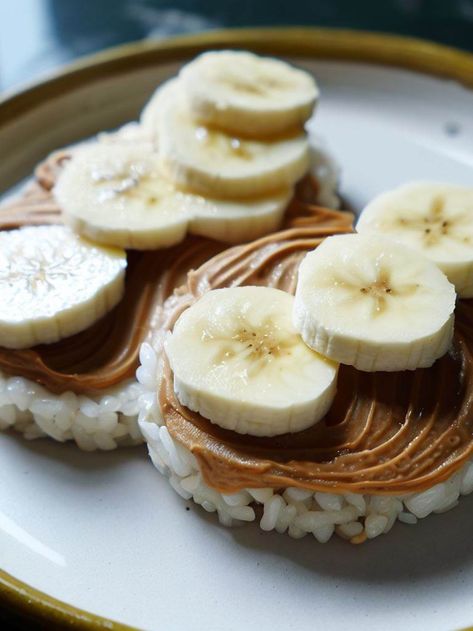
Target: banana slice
x=132, y=132
x=375, y=304
x=237, y=221
x=247, y=94
x=238, y=361
x=116, y=194
x=433, y=218
x=209, y=162
x=151, y=112
x=54, y=284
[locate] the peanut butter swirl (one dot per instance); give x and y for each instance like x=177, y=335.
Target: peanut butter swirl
x=107, y=353
x=386, y=433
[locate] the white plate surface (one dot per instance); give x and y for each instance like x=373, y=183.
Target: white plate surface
x=106, y=533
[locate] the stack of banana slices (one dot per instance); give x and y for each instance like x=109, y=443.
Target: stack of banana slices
x=259, y=361
x=219, y=151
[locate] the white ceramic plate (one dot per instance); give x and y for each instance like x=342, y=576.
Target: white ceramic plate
x=105, y=533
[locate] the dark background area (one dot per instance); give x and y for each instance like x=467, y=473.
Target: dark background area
x=36, y=36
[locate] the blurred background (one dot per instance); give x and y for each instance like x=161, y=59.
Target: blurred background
x=36, y=36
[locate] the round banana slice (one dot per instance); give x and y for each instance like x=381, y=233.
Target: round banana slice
x=247, y=94
x=150, y=114
x=210, y=162
x=434, y=218
x=372, y=303
x=54, y=284
x=238, y=361
x=116, y=194
x=236, y=221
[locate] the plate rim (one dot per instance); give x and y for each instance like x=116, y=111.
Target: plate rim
x=347, y=45
x=322, y=43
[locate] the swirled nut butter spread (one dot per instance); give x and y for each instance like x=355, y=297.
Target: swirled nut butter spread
x=107, y=352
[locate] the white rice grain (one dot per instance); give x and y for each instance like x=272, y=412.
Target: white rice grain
x=375, y=525
x=329, y=501
x=104, y=421
x=323, y=533
x=261, y=495
x=407, y=518
x=466, y=485
x=422, y=504
x=272, y=509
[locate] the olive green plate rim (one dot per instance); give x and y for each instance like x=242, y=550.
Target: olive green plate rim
x=317, y=43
